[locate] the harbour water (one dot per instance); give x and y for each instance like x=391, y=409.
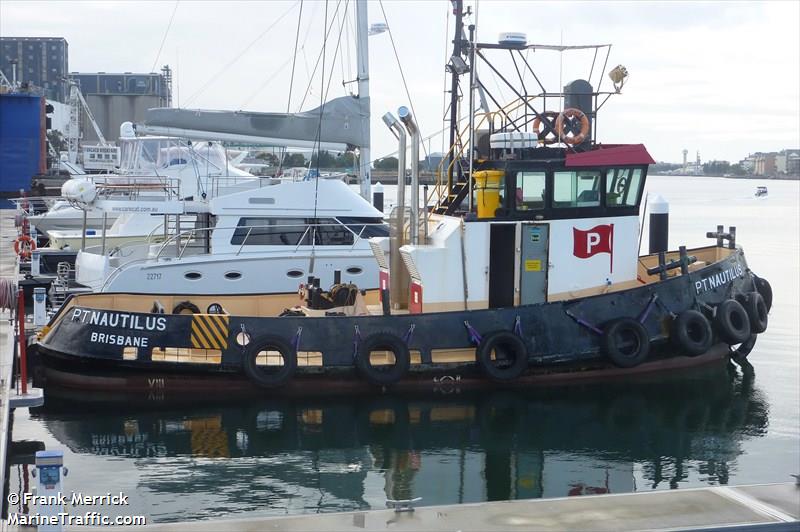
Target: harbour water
x=718, y=425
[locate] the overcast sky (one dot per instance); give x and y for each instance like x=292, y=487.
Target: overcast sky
x=719, y=77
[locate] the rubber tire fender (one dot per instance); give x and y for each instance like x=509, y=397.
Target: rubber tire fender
x=692, y=333
x=186, y=305
x=756, y=308
x=490, y=342
x=765, y=289
x=732, y=322
x=256, y=374
x=746, y=347
x=617, y=337
x=383, y=376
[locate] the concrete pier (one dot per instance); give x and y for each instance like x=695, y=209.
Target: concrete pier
x=715, y=507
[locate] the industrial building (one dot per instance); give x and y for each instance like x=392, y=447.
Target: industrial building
x=117, y=98
x=39, y=61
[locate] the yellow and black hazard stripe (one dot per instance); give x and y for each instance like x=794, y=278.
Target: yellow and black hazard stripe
x=210, y=331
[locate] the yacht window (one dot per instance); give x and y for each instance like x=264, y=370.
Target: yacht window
x=576, y=189
x=530, y=191
x=622, y=187
x=329, y=232
x=253, y=231
x=365, y=227
x=232, y=276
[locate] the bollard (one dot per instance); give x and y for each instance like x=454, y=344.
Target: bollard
x=23, y=357
x=659, y=225
x=377, y=196
x=39, y=307
x=49, y=468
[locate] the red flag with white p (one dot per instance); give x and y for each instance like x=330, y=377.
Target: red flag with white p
x=598, y=239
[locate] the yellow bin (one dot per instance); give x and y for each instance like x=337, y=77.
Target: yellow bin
x=487, y=184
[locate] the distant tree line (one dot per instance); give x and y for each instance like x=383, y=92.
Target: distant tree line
x=723, y=168
x=323, y=159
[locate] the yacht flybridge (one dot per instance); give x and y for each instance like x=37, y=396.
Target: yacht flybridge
x=192, y=170
x=526, y=267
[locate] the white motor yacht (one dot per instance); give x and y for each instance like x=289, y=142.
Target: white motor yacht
x=263, y=240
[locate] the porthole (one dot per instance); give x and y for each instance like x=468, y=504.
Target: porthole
x=294, y=274
x=354, y=270
x=193, y=276
x=233, y=276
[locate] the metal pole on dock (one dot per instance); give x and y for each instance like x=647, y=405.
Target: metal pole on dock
x=23, y=358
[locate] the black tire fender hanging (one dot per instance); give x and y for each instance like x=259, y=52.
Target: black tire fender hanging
x=756, y=308
x=261, y=376
x=507, y=343
x=186, y=305
x=384, y=374
x=626, y=342
x=765, y=289
x=691, y=333
x=732, y=322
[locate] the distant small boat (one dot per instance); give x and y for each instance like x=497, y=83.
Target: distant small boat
x=761, y=192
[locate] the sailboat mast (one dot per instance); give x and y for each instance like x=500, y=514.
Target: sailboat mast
x=458, y=8
x=362, y=54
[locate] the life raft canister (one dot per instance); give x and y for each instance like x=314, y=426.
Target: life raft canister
x=24, y=245
x=570, y=114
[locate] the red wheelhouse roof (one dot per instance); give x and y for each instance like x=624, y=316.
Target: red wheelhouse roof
x=610, y=155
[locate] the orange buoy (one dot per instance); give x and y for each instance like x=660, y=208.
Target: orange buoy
x=546, y=137
x=571, y=114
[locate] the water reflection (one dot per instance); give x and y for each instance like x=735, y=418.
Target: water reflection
x=294, y=456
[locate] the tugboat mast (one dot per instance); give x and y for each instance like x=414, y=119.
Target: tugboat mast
x=458, y=40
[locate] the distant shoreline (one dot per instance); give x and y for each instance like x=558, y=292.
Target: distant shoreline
x=758, y=177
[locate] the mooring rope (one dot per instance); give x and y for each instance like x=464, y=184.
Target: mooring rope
x=8, y=295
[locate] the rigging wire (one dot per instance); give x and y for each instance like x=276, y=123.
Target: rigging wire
x=445, y=106
x=163, y=40
x=294, y=57
x=319, y=142
x=402, y=75
x=328, y=30
x=252, y=43
x=265, y=83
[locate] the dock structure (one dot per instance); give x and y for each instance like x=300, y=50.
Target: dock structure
x=768, y=506
x=10, y=398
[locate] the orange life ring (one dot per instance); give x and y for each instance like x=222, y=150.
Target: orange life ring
x=543, y=137
x=572, y=113
x=23, y=246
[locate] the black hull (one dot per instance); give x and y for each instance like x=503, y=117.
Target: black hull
x=85, y=347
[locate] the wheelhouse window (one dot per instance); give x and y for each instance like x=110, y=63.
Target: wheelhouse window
x=576, y=189
x=623, y=186
x=530, y=190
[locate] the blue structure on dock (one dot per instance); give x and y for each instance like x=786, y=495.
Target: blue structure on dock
x=23, y=148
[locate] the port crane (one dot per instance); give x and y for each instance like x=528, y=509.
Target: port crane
x=77, y=103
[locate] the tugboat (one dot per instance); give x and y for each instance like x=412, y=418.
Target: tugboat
x=526, y=269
